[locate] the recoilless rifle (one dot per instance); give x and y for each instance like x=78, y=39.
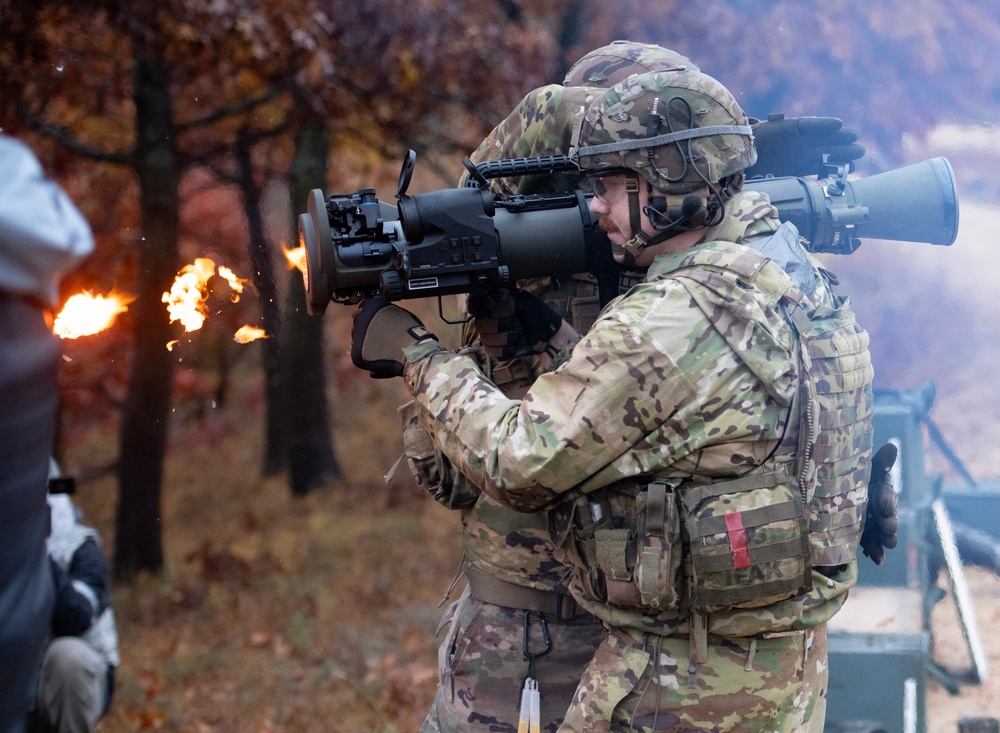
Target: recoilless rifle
x=465, y=240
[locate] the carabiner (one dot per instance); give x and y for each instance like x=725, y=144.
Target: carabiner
x=526, y=643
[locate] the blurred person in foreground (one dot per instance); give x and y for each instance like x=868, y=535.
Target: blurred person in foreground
x=484, y=657
x=42, y=237
x=78, y=669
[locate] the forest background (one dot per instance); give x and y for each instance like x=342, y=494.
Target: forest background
x=266, y=578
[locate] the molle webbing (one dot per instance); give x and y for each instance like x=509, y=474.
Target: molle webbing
x=836, y=386
x=747, y=540
x=835, y=401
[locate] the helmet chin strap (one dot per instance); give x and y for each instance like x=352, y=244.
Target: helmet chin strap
x=639, y=240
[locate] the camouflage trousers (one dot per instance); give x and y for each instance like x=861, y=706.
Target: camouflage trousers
x=482, y=667
x=776, y=684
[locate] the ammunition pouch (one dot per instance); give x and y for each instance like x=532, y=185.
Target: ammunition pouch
x=629, y=538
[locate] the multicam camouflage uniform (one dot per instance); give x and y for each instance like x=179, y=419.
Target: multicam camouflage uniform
x=556, y=443
x=685, y=383
x=508, y=556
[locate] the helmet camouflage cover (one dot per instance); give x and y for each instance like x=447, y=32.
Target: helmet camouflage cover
x=678, y=129
x=606, y=66
x=542, y=124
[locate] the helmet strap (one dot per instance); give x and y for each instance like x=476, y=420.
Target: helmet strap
x=633, y=247
x=640, y=240
x=634, y=211
x=637, y=242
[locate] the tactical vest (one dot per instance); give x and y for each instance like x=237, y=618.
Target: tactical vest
x=698, y=545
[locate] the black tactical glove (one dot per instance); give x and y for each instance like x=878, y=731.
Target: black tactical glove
x=796, y=146
x=881, y=521
x=513, y=323
x=379, y=334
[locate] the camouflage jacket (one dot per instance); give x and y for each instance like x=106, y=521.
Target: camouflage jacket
x=672, y=381
x=514, y=546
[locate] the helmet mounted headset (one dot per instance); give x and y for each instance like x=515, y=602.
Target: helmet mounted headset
x=684, y=133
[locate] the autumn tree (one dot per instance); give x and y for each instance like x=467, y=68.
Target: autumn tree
x=160, y=88
x=72, y=111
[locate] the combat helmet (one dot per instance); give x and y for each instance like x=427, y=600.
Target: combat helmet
x=683, y=133
x=606, y=66
x=540, y=125
x=679, y=130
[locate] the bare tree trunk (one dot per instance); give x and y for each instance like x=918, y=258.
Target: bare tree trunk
x=138, y=544
x=262, y=267
x=311, y=459
x=569, y=34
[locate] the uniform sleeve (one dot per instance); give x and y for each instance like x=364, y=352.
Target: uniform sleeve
x=82, y=591
x=42, y=234
x=623, y=405
x=89, y=573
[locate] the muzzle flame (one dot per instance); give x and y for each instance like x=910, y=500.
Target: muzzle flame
x=296, y=258
x=246, y=334
x=85, y=314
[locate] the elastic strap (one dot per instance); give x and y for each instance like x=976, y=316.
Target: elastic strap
x=659, y=140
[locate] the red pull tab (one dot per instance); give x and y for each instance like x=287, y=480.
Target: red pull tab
x=738, y=540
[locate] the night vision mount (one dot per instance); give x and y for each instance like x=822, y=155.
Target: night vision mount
x=463, y=240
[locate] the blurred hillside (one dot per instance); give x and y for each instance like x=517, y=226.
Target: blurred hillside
x=934, y=312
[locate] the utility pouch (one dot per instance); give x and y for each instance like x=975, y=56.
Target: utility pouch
x=616, y=560
x=640, y=562
x=749, y=543
x=429, y=468
x=585, y=311
x=657, y=572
